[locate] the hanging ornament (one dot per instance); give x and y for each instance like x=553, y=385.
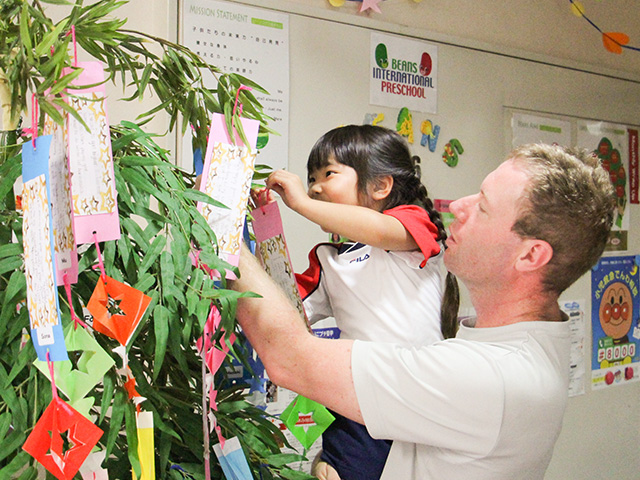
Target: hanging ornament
x=370, y=4
x=306, y=420
x=614, y=42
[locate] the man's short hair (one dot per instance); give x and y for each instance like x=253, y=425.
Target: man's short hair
x=569, y=203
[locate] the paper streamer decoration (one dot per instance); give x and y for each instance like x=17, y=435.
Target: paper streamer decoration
x=146, y=449
x=273, y=252
x=214, y=356
x=117, y=309
x=66, y=253
x=42, y=295
x=213, y=359
x=93, y=362
x=90, y=160
x=226, y=177
x=233, y=460
x=125, y=371
x=46, y=443
x=306, y=419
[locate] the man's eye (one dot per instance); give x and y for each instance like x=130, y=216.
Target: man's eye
x=311, y=180
x=329, y=173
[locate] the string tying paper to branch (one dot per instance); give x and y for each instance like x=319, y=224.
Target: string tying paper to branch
x=75, y=45
x=614, y=42
x=235, y=106
x=100, y=265
x=54, y=389
x=74, y=317
x=33, y=130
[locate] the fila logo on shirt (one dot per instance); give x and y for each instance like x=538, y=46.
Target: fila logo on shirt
x=360, y=259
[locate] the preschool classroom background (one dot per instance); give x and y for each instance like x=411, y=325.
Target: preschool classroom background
x=464, y=82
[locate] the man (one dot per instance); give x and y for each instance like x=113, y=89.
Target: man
x=489, y=403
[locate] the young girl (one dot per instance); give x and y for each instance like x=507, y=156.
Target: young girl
x=388, y=282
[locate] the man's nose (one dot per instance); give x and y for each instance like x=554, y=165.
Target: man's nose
x=459, y=208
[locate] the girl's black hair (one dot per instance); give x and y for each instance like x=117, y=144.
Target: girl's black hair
x=375, y=152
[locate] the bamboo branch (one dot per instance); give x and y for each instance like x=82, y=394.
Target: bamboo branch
x=9, y=118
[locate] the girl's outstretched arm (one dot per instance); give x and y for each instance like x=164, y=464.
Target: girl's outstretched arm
x=355, y=222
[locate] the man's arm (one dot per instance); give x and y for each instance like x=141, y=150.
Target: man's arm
x=319, y=369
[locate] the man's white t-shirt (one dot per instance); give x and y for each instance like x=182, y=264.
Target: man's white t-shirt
x=485, y=405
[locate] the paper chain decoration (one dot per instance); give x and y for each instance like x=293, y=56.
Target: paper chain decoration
x=613, y=41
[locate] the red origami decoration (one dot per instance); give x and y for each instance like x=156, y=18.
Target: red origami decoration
x=46, y=442
x=131, y=305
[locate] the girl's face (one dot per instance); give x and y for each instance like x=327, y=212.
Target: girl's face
x=335, y=183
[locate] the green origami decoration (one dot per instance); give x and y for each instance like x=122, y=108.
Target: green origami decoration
x=306, y=432
x=92, y=364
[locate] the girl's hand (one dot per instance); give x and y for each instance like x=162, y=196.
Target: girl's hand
x=261, y=197
x=290, y=187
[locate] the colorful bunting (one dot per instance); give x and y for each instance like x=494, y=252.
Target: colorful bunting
x=614, y=42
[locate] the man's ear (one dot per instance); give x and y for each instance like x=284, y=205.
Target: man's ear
x=382, y=188
x=535, y=254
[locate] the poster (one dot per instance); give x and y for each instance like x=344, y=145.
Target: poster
x=537, y=129
x=615, y=312
x=404, y=73
x=250, y=42
x=609, y=142
x=575, y=311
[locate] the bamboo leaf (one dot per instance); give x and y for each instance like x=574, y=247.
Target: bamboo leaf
x=10, y=264
x=10, y=250
x=25, y=34
x=153, y=253
x=64, y=81
x=115, y=422
x=48, y=40
x=198, y=196
x=16, y=287
x=161, y=331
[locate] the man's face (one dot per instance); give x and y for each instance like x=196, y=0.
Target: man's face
x=481, y=244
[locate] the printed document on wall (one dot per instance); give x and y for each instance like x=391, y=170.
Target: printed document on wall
x=250, y=42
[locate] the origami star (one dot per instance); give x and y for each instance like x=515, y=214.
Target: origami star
x=370, y=4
